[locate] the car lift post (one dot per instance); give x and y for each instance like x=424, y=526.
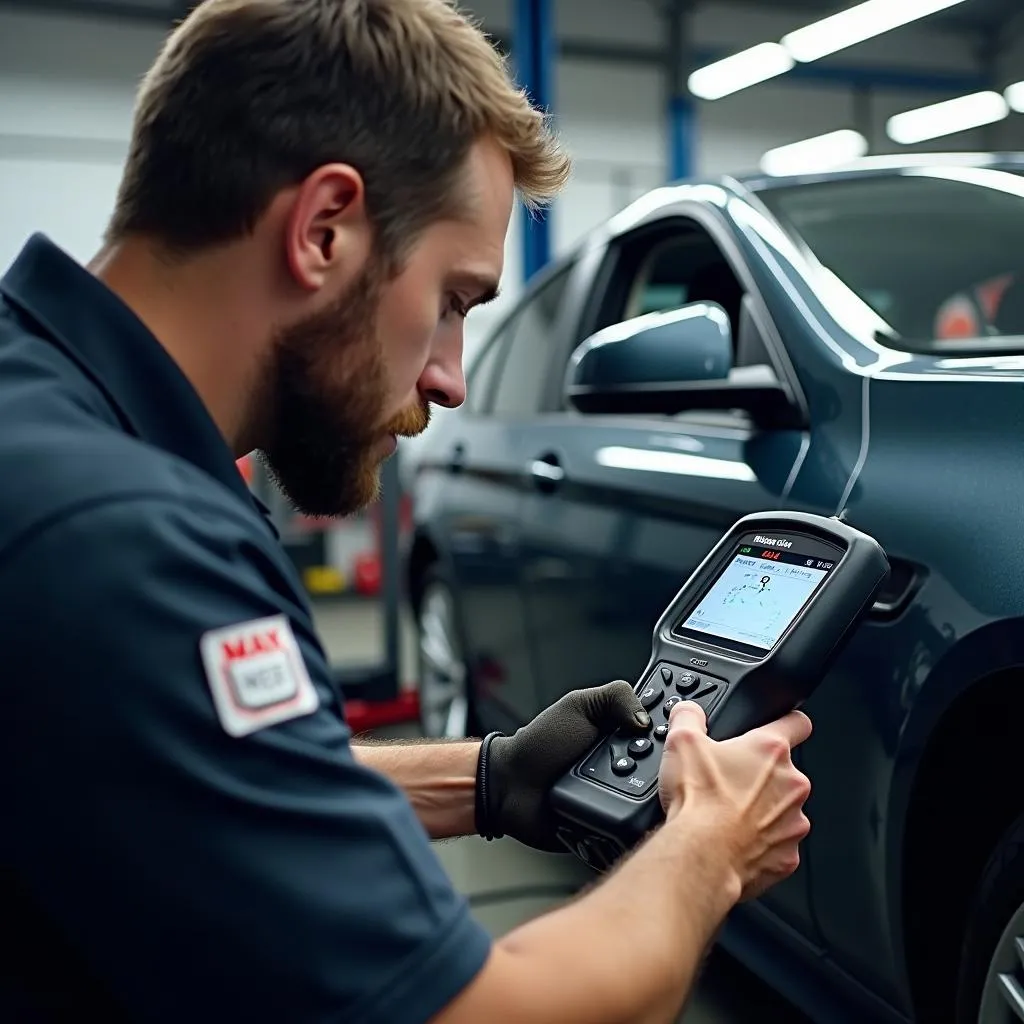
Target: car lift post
x=373, y=694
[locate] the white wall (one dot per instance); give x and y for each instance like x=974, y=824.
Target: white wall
x=67, y=85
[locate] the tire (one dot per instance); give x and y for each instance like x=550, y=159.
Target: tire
x=991, y=982
x=446, y=698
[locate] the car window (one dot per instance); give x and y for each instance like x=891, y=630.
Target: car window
x=664, y=266
x=484, y=369
x=937, y=253
x=682, y=268
x=527, y=361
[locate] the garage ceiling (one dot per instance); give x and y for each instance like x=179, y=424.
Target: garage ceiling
x=989, y=18
x=974, y=15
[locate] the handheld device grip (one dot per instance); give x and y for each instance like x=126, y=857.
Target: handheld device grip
x=749, y=637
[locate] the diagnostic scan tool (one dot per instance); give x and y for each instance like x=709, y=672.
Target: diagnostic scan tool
x=749, y=637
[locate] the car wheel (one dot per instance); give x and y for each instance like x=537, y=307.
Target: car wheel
x=444, y=692
x=991, y=985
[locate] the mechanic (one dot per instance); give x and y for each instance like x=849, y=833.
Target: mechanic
x=316, y=193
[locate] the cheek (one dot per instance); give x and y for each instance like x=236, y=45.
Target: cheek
x=408, y=326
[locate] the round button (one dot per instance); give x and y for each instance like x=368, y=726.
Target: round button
x=650, y=696
x=623, y=765
x=641, y=747
x=670, y=704
x=661, y=732
x=688, y=682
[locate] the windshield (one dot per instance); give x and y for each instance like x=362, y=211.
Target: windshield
x=936, y=252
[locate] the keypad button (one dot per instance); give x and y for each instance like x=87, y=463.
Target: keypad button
x=641, y=747
x=666, y=674
x=661, y=732
x=687, y=683
x=650, y=696
x=623, y=765
x=670, y=704
x=706, y=691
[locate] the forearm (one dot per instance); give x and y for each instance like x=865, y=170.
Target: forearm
x=627, y=952
x=439, y=780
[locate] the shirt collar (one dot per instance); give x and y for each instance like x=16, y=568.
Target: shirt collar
x=151, y=397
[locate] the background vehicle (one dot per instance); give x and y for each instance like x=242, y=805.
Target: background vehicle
x=548, y=539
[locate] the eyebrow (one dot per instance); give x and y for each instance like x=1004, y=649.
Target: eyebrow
x=483, y=284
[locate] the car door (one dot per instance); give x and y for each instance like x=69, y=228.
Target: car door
x=468, y=488
x=483, y=499
x=622, y=509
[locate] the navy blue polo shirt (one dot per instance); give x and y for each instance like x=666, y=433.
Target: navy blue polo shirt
x=186, y=833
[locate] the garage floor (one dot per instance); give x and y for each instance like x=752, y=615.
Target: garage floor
x=508, y=883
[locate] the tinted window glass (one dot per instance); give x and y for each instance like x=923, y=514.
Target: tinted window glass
x=936, y=252
x=663, y=273
x=525, y=372
x=480, y=379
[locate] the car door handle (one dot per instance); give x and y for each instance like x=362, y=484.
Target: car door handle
x=546, y=473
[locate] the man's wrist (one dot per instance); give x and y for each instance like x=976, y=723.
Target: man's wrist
x=709, y=855
x=439, y=779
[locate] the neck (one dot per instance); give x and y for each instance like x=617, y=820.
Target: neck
x=202, y=311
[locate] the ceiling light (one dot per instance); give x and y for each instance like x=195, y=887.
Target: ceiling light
x=816, y=154
x=946, y=118
x=856, y=24
x=741, y=70
x=1014, y=95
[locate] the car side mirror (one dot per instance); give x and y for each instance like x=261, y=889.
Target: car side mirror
x=690, y=343
x=673, y=362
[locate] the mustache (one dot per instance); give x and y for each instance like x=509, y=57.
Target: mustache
x=410, y=421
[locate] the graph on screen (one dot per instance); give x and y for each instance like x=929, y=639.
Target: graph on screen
x=754, y=601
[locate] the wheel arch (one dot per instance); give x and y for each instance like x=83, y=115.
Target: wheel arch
x=954, y=793
x=423, y=553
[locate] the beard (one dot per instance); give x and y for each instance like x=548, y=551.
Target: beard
x=321, y=398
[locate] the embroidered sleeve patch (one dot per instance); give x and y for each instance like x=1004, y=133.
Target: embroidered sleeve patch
x=257, y=675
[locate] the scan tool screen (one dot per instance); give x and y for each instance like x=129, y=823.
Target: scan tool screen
x=754, y=600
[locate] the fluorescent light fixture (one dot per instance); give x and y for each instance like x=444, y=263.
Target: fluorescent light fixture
x=855, y=24
x=946, y=118
x=816, y=154
x=1014, y=95
x=740, y=71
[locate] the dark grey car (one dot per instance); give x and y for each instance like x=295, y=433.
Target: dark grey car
x=848, y=342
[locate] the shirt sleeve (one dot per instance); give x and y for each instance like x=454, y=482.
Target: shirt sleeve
x=205, y=875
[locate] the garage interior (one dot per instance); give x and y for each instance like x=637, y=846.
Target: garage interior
x=645, y=92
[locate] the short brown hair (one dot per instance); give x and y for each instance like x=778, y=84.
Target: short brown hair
x=249, y=97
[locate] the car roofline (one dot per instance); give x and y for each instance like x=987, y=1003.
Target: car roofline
x=883, y=166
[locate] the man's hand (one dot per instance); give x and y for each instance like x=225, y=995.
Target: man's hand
x=747, y=789
x=522, y=768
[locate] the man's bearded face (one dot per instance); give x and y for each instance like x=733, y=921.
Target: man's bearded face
x=324, y=395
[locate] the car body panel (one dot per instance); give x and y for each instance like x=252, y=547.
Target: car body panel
x=573, y=567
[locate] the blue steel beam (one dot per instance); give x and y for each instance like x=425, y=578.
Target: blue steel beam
x=533, y=52
x=682, y=121
x=682, y=129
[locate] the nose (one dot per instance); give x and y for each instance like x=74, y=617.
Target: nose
x=443, y=381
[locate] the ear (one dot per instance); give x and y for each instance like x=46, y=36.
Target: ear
x=327, y=228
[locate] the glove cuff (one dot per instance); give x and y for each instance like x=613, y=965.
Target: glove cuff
x=486, y=825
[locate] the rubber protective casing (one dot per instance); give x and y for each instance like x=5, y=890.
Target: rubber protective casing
x=601, y=822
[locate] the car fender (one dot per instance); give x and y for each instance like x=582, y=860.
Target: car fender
x=990, y=649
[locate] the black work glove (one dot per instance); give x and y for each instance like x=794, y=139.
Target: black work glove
x=515, y=773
